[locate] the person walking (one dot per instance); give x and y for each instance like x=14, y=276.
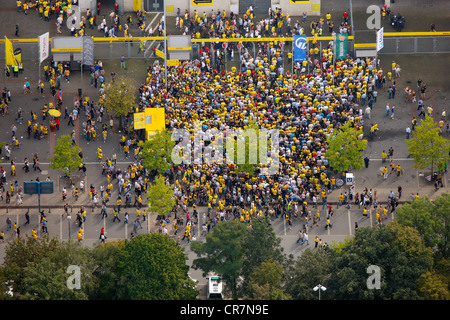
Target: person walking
x=27, y=217
x=305, y=238
x=122, y=62
x=8, y=224
x=366, y=162
x=71, y=120
x=116, y=215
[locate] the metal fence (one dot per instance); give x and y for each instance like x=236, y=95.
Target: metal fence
x=415, y=45
x=131, y=49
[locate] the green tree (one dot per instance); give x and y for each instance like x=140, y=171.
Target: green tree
x=432, y=286
x=106, y=256
x=222, y=253
x=66, y=156
x=266, y=282
x=345, y=148
x=153, y=267
x=398, y=252
x=431, y=219
x=160, y=197
x=156, y=152
x=37, y=269
x=120, y=98
x=247, y=165
x=428, y=147
x=260, y=245
x=310, y=269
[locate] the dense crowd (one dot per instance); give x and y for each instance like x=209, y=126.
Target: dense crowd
x=305, y=106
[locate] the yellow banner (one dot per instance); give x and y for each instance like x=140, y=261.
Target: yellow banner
x=18, y=56
x=9, y=53
x=179, y=48
x=66, y=49
x=136, y=5
x=160, y=54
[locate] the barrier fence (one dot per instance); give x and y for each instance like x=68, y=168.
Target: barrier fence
x=114, y=48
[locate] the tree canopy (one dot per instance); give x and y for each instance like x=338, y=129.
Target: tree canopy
x=155, y=152
x=119, y=97
x=66, y=155
x=345, y=148
x=428, y=147
x=153, y=267
x=160, y=197
x=431, y=219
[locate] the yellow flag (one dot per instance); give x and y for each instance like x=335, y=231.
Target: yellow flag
x=9, y=53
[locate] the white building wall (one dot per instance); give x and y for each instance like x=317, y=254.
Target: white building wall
x=313, y=7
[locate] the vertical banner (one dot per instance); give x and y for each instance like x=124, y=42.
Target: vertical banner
x=380, y=43
x=88, y=51
x=341, y=45
x=9, y=53
x=136, y=5
x=43, y=47
x=300, y=46
x=18, y=55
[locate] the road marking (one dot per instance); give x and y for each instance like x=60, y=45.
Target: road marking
x=349, y=222
x=370, y=216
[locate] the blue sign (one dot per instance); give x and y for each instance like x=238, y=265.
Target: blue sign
x=300, y=46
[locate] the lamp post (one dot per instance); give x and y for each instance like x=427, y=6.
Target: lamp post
x=68, y=220
x=319, y=288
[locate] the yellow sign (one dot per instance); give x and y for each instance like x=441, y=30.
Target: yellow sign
x=299, y=1
x=364, y=45
x=179, y=48
x=66, y=49
x=172, y=63
x=160, y=54
x=152, y=120
x=139, y=120
x=202, y=2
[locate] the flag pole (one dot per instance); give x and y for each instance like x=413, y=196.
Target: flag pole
x=165, y=45
x=6, y=65
x=39, y=58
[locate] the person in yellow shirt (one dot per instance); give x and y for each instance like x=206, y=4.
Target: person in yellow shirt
x=384, y=172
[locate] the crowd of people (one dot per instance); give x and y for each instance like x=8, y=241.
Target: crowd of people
x=305, y=105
